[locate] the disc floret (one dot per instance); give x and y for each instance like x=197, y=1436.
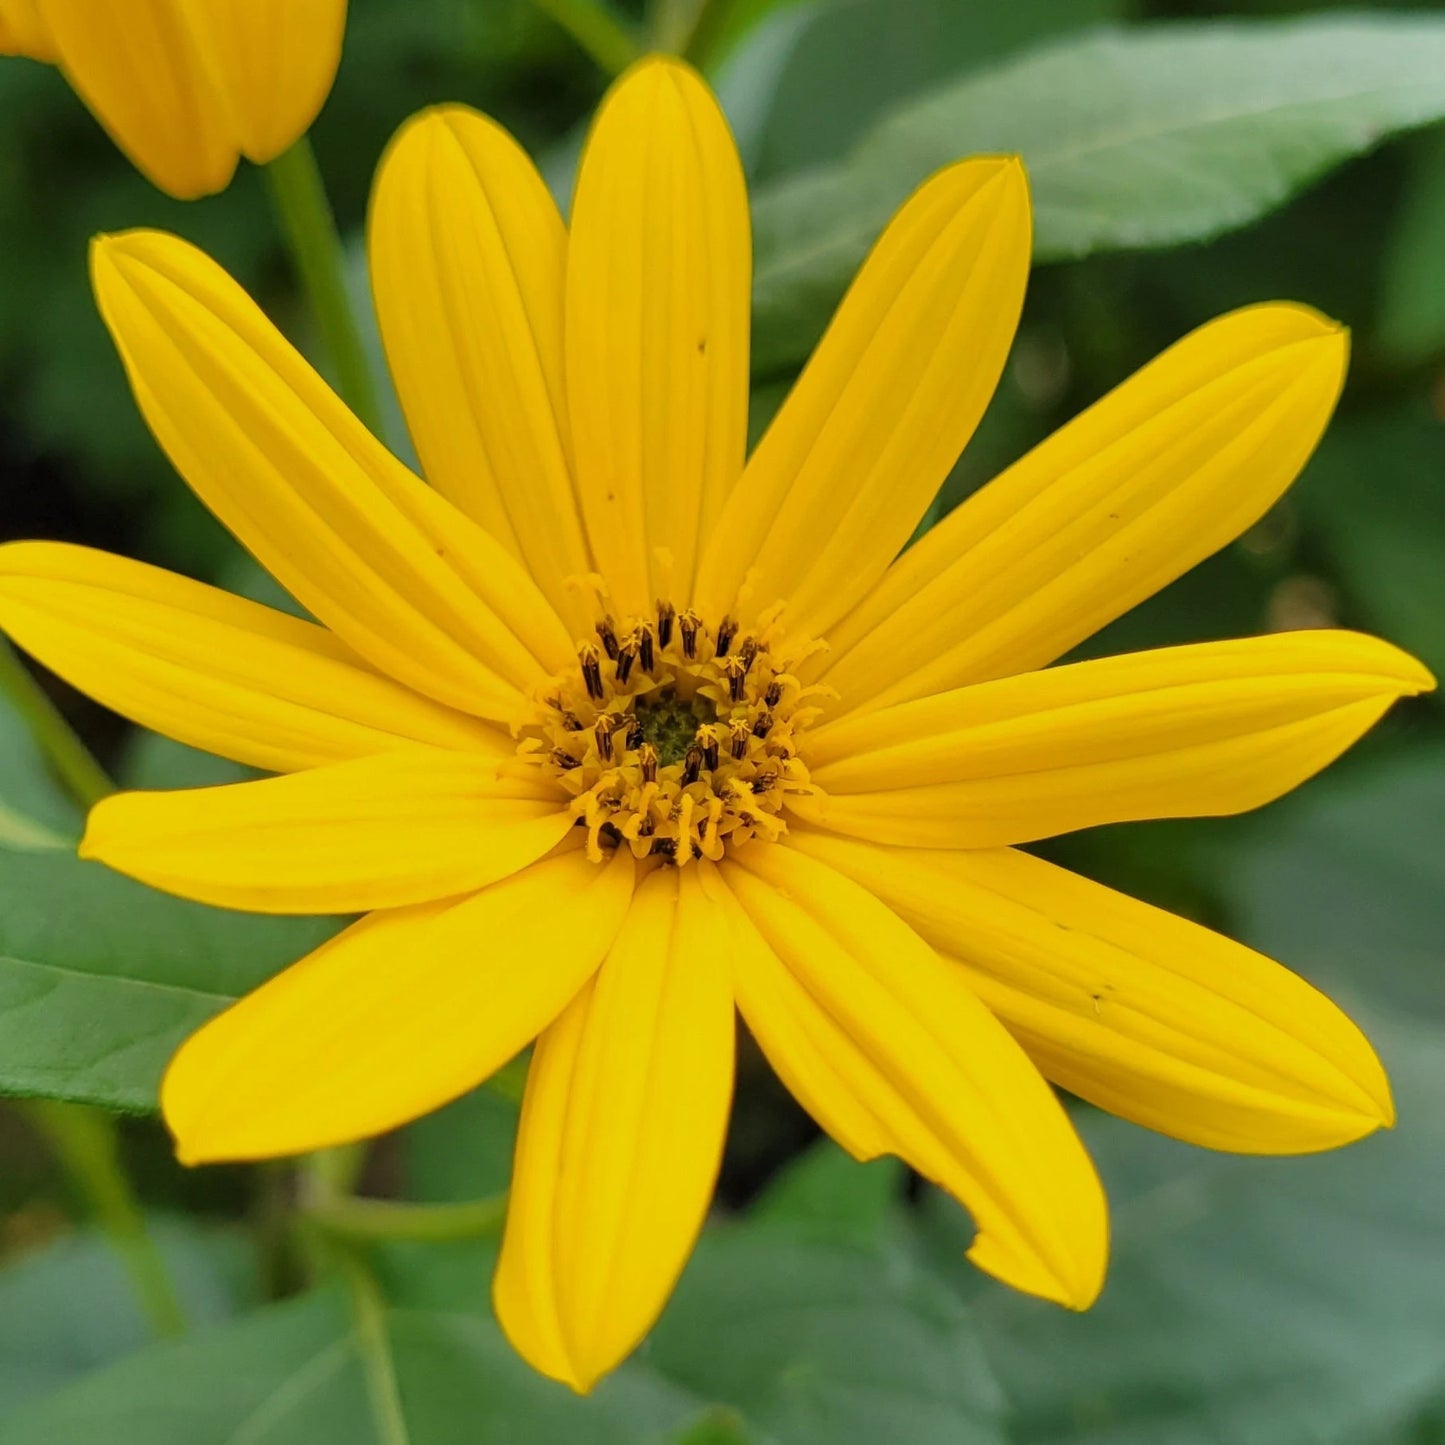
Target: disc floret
x=674, y=736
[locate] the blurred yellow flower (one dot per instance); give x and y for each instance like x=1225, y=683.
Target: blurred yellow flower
x=609, y=730
x=187, y=87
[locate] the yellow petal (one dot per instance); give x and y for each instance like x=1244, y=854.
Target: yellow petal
x=23, y=32
x=1142, y=1013
x=136, y=68
x=386, y=563
x=884, y=407
x=885, y=1044
x=1163, y=471
x=1182, y=732
x=395, y=1016
x=468, y=258
x=621, y=1137
x=213, y=670
x=379, y=832
x=658, y=274
x=269, y=63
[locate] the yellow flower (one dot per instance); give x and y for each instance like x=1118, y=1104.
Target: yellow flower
x=186, y=87
x=613, y=732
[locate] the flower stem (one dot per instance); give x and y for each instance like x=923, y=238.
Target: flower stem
x=309, y=226
x=373, y=1220
x=63, y=749
x=86, y=1142
x=373, y=1340
x=598, y=29
x=708, y=28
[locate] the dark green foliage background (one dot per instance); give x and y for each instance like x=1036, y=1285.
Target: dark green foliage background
x=1251, y=1301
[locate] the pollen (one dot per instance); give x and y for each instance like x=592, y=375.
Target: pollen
x=674, y=736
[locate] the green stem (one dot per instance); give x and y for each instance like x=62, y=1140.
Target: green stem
x=309, y=227
x=598, y=29
x=708, y=28
x=373, y=1220
x=71, y=759
x=87, y=1143
x=368, y=1312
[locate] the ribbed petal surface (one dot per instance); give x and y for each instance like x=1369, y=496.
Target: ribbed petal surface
x=468, y=265
x=659, y=268
x=1162, y=472
x=270, y=64
x=886, y=1046
x=395, y=1016
x=380, y=832
x=1142, y=1013
x=213, y=670
x=1196, y=731
x=621, y=1136
x=389, y=565
x=136, y=67
x=884, y=407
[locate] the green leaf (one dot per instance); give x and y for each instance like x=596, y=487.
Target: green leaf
x=1287, y=1301
x=101, y=978
x=307, y=1373
x=35, y=812
x=1347, y=883
x=286, y=1375
x=1411, y=324
x=1148, y=137
x=822, y=1343
x=71, y=1309
x=827, y=1191
x=1375, y=497
x=857, y=59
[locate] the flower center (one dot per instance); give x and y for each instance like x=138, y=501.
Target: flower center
x=674, y=737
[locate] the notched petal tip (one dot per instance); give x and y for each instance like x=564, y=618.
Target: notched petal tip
x=112, y=253
x=1076, y=1288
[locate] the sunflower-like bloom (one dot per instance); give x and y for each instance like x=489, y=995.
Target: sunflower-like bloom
x=609, y=731
x=187, y=87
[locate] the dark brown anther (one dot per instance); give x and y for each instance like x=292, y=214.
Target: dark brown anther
x=608, y=633
x=764, y=781
x=691, y=765
x=563, y=760
x=764, y=725
x=727, y=630
x=708, y=738
x=591, y=671
x=644, y=648
x=571, y=721
x=748, y=650
x=635, y=736
x=647, y=757
x=646, y=828
x=602, y=730
x=738, y=745
x=690, y=624
x=665, y=847
x=626, y=656
x=774, y=695
x=666, y=614
x=737, y=675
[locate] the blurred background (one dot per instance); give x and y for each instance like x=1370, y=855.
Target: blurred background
x=1271, y=1301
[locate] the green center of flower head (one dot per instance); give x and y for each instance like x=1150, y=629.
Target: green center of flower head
x=672, y=737
x=670, y=725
